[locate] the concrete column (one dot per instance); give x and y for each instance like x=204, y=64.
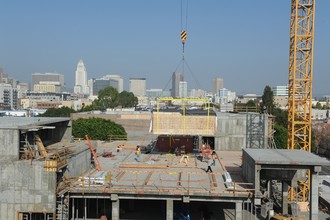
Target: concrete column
x=115, y=207
x=257, y=169
x=314, y=197
x=169, y=209
x=238, y=211
x=285, y=188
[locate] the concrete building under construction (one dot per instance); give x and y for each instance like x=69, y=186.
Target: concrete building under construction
x=46, y=174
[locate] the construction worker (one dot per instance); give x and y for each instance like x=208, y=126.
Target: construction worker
x=137, y=153
x=209, y=164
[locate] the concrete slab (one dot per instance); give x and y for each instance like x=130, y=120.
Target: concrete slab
x=163, y=174
x=285, y=157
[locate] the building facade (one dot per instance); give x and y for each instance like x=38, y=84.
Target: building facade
x=183, y=89
x=99, y=84
x=47, y=87
x=280, y=90
x=176, y=79
x=8, y=96
x=217, y=85
x=117, y=80
x=81, y=86
x=57, y=78
x=137, y=86
x=197, y=93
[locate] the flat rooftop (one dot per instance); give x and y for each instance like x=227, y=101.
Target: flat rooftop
x=285, y=157
x=164, y=175
x=28, y=122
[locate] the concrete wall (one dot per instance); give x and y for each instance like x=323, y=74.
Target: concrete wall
x=80, y=161
x=131, y=121
x=25, y=186
x=231, y=132
x=63, y=131
x=236, y=131
x=9, y=144
x=248, y=167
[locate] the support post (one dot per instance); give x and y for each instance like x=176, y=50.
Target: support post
x=169, y=209
x=115, y=207
x=285, y=188
x=72, y=209
x=238, y=211
x=314, y=197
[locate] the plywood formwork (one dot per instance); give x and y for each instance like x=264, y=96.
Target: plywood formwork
x=179, y=124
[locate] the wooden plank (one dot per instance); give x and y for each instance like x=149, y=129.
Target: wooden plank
x=150, y=166
x=214, y=180
x=180, y=177
x=120, y=175
x=148, y=178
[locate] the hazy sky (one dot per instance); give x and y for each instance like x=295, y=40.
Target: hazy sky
x=244, y=42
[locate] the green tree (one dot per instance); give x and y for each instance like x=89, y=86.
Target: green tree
x=318, y=105
x=267, y=104
x=107, y=98
x=97, y=129
x=58, y=112
x=90, y=108
x=280, y=136
x=281, y=117
x=251, y=103
x=127, y=99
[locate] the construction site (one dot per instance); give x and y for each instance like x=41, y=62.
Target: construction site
x=46, y=174
x=176, y=163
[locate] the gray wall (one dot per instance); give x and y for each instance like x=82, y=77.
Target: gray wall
x=248, y=167
x=235, y=131
x=231, y=132
x=25, y=186
x=80, y=161
x=9, y=144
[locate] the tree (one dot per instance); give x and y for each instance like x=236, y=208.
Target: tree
x=280, y=136
x=127, y=99
x=281, y=117
x=251, y=103
x=267, y=100
x=90, y=108
x=97, y=129
x=58, y=112
x=107, y=98
x=318, y=105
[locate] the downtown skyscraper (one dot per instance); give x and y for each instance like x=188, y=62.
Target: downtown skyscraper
x=81, y=86
x=176, y=79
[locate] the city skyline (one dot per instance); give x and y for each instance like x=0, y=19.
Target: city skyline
x=244, y=45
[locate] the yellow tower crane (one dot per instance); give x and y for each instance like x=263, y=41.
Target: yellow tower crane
x=300, y=82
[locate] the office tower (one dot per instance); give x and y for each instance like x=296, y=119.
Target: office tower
x=2, y=73
x=137, y=86
x=81, y=86
x=197, y=93
x=226, y=96
x=100, y=84
x=4, y=78
x=48, y=78
x=8, y=97
x=217, y=85
x=280, y=91
x=119, y=84
x=176, y=79
x=22, y=89
x=183, y=89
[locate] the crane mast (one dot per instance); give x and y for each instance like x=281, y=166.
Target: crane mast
x=300, y=80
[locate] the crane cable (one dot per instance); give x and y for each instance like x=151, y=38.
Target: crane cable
x=183, y=34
